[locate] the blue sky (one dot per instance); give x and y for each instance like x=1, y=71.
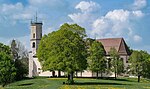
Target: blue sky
x=101, y=19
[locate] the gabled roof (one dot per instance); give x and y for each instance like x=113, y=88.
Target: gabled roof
x=117, y=43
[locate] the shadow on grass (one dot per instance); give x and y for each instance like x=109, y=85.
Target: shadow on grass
x=97, y=83
x=127, y=80
x=25, y=84
x=109, y=78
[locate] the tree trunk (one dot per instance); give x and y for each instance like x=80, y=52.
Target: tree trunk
x=68, y=76
x=71, y=76
x=97, y=74
x=59, y=73
x=115, y=75
x=53, y=73
x=138, y=78
x=101, y=74
x=81, y=73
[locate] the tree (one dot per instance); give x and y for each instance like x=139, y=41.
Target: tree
x=7, y=68
x=20, y=56
x=96, y=60
x=145, y=64
x=146, y=68
x=63, y=50
x=136, y=60
x=116, y=62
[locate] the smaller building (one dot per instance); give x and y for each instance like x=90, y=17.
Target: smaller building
x=108, y=43
x=119, y=44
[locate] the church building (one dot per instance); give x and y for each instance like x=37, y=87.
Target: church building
x=35, y=68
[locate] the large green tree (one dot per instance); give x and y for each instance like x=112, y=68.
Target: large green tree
x=96, y=60
x=63, y=50
x=7, y=68
x=20, y=57
x=136, y=59
x=117, y=64
x=140, y=64
x=146, y=64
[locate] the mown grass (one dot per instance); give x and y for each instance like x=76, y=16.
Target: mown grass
x=80, y=83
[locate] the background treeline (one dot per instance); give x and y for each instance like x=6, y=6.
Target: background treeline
x=13, y=62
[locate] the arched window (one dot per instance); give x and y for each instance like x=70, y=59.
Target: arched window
x=33, y=45
x=33, y=35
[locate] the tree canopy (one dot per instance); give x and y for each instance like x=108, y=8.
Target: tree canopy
x=96, y=60
x=63, y=49
x=116, y=62
x=140, y=64
x=7, y=68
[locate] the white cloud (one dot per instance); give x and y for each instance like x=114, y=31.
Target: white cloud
x=37, y=1
x=11, y=8
x=18, y=14
x=139, y=4
x=81, y=18
x=119, y=15
x=138, y=13
x=85, y=6
x=85, y=17
x=137, y=38
x=116, y=23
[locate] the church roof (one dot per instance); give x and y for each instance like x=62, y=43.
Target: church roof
x=117, y=43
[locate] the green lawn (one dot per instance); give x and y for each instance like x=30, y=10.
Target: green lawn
x=57, y=83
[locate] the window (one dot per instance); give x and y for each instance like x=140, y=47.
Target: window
x=41, y=35
x=33, y=35
x=126, y=60
x=33, y=45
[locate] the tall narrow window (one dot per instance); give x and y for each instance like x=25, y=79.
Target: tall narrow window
x=33, y=45
x=33, y=35
x=41, y=35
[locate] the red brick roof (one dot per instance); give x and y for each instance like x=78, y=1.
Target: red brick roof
x=117, y=43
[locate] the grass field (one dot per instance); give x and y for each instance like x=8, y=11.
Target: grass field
x=80, y=83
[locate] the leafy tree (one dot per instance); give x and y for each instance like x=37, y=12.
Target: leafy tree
x=146, y=68
x=7, y=68
x=137, y=61
x=116, y=62
x=63, y=50
x=145, y=64
x=130, y=50
x=20, y=56
x=75, y=28
x=96, y=60
x=89, y=42
x=4, y=48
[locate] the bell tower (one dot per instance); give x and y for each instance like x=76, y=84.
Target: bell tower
x=36, y=35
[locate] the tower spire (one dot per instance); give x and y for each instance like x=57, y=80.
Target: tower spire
x=36, y=17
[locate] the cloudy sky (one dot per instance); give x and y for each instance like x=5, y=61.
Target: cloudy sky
x=129, y=19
